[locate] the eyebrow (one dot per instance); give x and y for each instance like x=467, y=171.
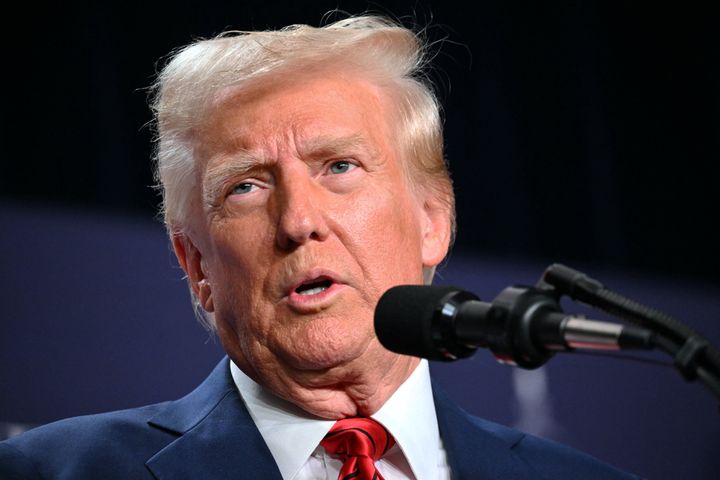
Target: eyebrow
x=327, y=146
x=216, y=176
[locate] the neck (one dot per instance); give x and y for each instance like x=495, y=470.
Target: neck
x=356, y=389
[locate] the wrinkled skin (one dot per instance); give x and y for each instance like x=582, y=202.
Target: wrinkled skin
x=302, y=182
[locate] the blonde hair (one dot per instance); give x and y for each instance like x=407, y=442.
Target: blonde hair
x=375, y=47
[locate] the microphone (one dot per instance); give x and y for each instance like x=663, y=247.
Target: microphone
x=523, y=326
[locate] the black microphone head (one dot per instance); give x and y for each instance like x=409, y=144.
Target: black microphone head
x=406, y=320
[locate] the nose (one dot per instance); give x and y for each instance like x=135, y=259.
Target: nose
x=300, y=217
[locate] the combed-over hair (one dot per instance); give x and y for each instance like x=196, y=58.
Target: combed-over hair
x=375, y=47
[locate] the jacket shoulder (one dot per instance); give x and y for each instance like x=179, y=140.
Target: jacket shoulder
x=91, y=446
x=551, y=459
x=471, y=442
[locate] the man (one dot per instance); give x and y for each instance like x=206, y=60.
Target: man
x=303, y=176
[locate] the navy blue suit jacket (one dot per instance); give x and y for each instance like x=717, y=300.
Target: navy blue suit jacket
x=209, y=434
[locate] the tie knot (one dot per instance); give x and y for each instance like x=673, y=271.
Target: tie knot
x=358, y=437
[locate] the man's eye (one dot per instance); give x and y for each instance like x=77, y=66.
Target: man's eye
x=241, y=188
x=341, y=167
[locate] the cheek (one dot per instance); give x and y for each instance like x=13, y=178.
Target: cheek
x=238, y=265
x=239, y=243
x=385, y=230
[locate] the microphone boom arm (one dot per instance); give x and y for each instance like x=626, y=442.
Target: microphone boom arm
x=693, y=355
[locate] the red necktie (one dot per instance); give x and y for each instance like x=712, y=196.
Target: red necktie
x=359, y=442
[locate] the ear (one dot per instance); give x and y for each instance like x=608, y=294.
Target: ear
x=191, y=261
x=436, y=231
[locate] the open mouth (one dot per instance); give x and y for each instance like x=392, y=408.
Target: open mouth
x=314, y=287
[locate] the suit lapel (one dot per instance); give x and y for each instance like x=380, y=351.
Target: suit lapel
x=217, y=438
x=478, y=450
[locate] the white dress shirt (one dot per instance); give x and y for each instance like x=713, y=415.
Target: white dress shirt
x=293, y=435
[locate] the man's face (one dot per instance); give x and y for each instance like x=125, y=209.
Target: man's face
x=307, y=219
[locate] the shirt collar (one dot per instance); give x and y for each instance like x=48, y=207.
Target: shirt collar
x=279, y=420
x=409, y=415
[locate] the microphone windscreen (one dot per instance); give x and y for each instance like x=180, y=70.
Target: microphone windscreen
x=404, y=319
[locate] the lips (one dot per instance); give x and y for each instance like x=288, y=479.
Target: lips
x=313, y=287
x=313, y=291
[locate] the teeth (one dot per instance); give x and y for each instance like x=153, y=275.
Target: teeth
x=313, y=291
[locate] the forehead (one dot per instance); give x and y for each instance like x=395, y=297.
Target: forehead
x=299, y=112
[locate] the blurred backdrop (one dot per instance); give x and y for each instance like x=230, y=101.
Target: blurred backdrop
x=579, y=132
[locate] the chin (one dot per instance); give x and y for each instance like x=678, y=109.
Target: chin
x=321, y=358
